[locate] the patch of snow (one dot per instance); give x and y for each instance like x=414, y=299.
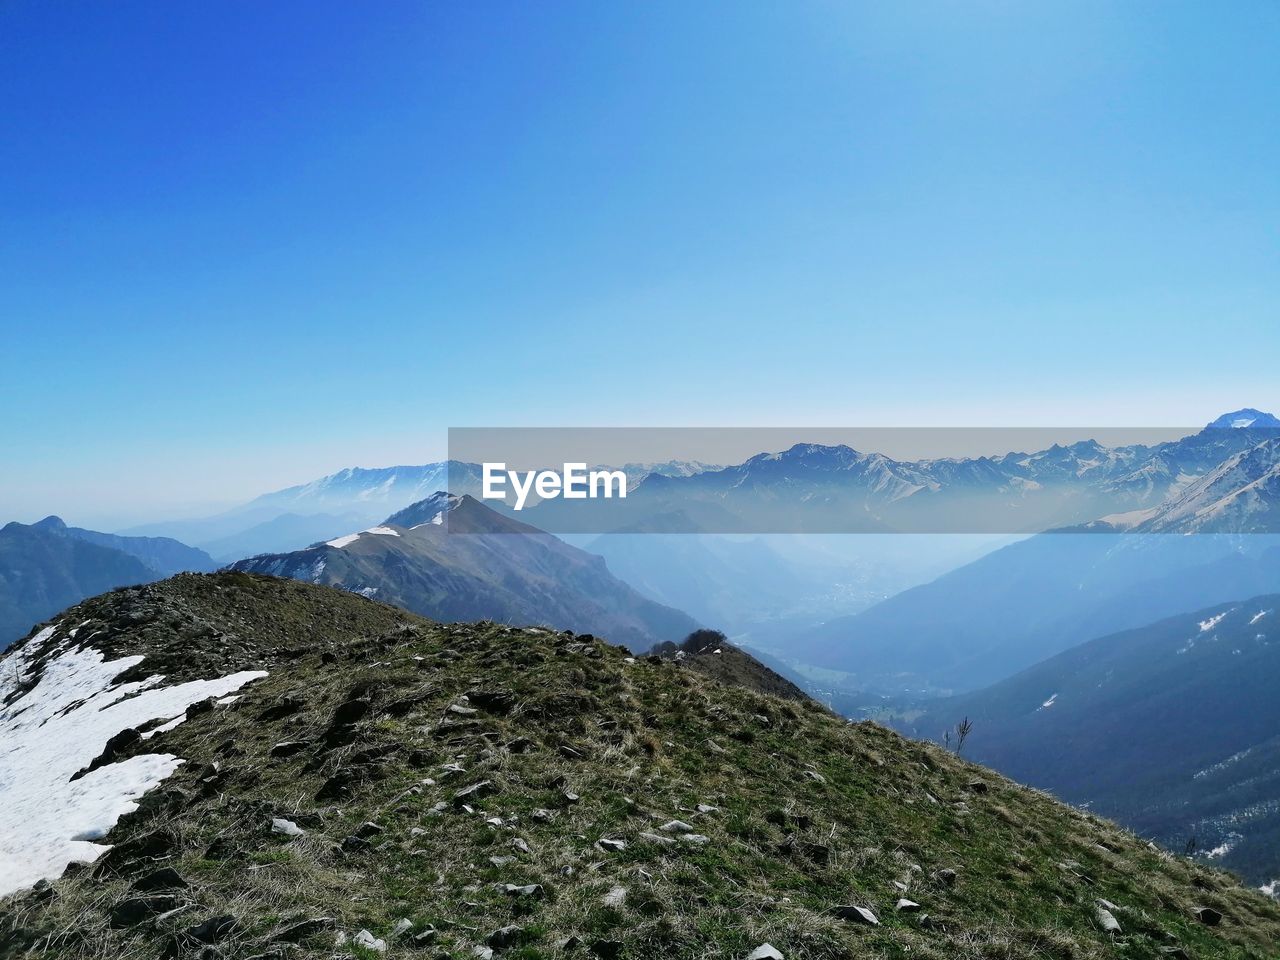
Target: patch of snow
x=1258, y=616
x=56, y=729
x=164, y=727
x=1129, y=519
x=1207, y=625
x=1222, y=764
x=1050, y=702
x=351, y=538
x=1221, y=850
x=1271, y=889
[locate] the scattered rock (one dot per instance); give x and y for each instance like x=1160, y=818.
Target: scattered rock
x=533, y=890
x=613, y=846
x=288, y=748
x=367, y=940
x=493, y=701
x=304, y=928
x=111, y=752
x=616, y=897
x=476, y=791
x=1207, y=915
x=676, y=826
x=134, y=910
x=947, y=877
x=977, y=786
x=165, y=878
x=424, y=938
x=1106, y=919
x=403, y=926
x=213, y=930
x=338, y=786
x=518, y=844
x=505, y=937
x=606, y=949
x=766, y=951
x=906, y=906
x=856, y=914
x=286, y=827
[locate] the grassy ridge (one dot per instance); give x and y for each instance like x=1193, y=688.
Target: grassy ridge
x=573, y=742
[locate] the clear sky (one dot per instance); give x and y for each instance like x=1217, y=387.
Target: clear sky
x=245, y=244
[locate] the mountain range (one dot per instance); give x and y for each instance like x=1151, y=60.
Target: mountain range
x=452, y=558
x=1031, y=600
x=1039, y=596
x=46, y=566
x=1172, y=728
x=815, y=488
x=352, y=498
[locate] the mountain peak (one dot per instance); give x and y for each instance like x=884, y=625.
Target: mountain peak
x=52, y=523
x=1246, y=418
x=430, y=510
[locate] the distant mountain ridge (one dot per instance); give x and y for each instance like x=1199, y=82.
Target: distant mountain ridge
x=1032, y=599
x=1173, y=728
x=291, y=518
x=1247, y=418
x=1241, y=495
x=164, y=555
x=452, y=558
x=43, y=570
x=820, y=488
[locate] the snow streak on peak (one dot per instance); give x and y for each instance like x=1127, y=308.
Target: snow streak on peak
x=351, y=538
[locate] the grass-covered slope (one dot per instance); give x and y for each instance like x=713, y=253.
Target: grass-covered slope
x=1173, y=729
x=447, y=790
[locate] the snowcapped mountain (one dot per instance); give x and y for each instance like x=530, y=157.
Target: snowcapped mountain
x=1246, y=419
x=835, y=488
x=379, y=490
x=452, y=558
x=808, y=487
x=1241, y=495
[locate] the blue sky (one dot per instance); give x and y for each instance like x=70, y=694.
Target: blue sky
x=244, y=244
